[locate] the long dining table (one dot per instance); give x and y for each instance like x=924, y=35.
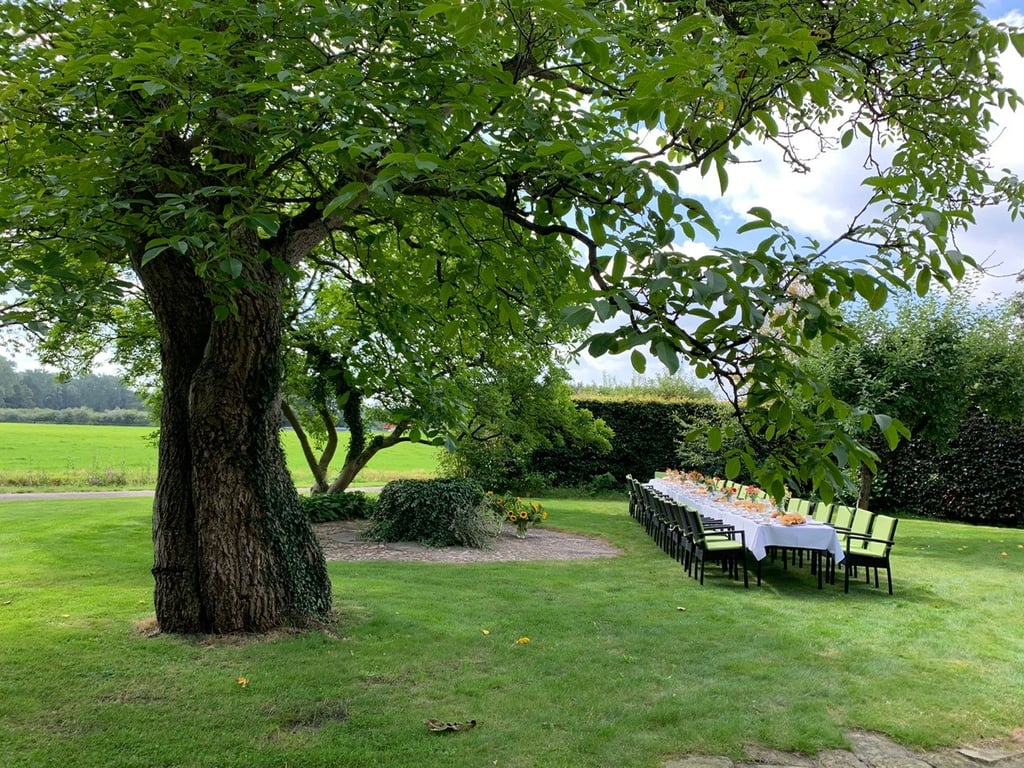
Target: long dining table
x=761, y=531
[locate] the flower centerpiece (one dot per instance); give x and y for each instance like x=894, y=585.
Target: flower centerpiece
x=513, y=509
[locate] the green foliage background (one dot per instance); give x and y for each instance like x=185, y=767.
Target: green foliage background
x=647, y=432
x=979, y=479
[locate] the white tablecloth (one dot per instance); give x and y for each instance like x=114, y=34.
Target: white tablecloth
x=759, y=534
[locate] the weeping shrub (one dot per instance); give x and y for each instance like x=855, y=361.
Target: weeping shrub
x=439, y=513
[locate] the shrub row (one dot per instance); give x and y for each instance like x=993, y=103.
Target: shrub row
x=116, y=417
x=647, y=430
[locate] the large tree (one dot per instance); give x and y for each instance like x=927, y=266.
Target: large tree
x=213, y=149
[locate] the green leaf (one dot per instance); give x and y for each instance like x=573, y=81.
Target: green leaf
x=638, y=361
x=715, y=438
x=578, y=317
x=732, y=467
x=231, y=266
x=151, y=88
x=923, y=283
x=346, y=195
x=955, y=260
x=265, y=221
x=1017, y=40
x=668, y=356
x=601, y=343
x=933, y=221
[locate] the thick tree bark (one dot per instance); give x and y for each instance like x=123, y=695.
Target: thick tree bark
x=866, y=479
x=233, y=551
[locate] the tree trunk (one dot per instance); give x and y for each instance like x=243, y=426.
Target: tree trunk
x=866, y=479
x=354, y=464
x=233, y=551
x=319, y=472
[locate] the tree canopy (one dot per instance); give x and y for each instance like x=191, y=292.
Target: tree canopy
x=209, y=155
x=925, y=362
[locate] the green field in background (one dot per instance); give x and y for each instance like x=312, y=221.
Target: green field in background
x=69, y=456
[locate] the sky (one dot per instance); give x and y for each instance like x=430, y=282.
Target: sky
x=819, y=203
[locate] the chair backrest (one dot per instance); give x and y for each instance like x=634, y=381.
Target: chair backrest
x=823, y=512
x=861, y=525
x=741, y=492
x=882, y=534
x=861, y=521
x=674, y=513
x=682, y=519
x=842, y=516
x=696, y=523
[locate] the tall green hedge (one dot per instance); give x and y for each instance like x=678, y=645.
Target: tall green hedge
x=647, y=433
x=979, y=479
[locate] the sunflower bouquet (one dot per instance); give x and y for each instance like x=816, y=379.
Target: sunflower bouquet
x=513, y=509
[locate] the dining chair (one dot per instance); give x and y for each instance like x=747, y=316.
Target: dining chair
x=725, y=544
x=842, y=516
x=634, y=497
x=822, y=512
x=871, y=551
x=684, y=552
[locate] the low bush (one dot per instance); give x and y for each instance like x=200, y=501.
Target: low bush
x=603, y=483
x=440, y=513
x=325, y=507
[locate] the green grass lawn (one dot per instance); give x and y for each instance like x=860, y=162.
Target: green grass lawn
x=40, y=457
x=615, y=674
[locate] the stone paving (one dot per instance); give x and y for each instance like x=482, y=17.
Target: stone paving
x=871, y=750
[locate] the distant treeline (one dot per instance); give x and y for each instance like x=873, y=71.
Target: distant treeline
x=126, y=417
x=41, y=393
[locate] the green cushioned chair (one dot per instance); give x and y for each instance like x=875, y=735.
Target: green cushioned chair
x=722, y=544
x=842, y=516
x=822, y=512
x=872, y=551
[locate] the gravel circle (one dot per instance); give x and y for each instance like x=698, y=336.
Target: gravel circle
x=342, y=541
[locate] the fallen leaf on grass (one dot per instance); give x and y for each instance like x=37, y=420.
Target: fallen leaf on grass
x=485, y=631
x=243, y=682
x=522, y=641
x=440, y=726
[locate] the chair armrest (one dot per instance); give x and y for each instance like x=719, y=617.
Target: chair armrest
x=864, y=537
